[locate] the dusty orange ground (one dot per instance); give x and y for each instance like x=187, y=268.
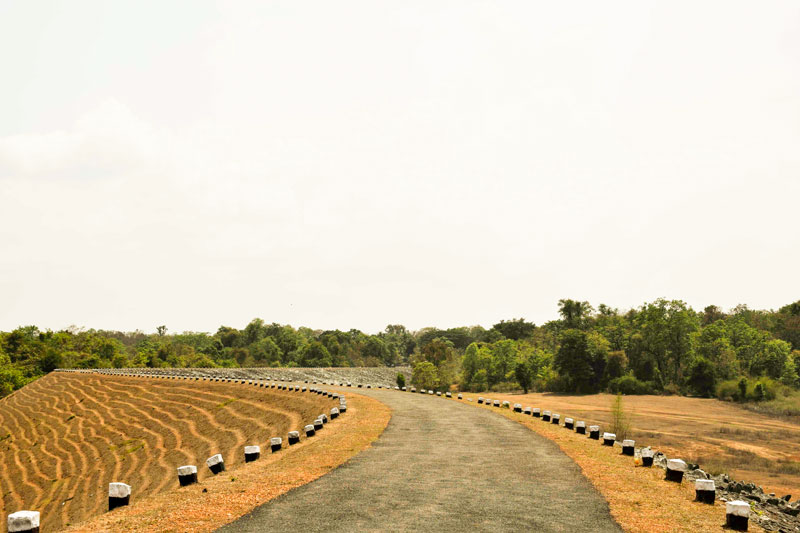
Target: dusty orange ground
x=720, y=436
x=67, y=435
x=640, y=500
x=218, y=500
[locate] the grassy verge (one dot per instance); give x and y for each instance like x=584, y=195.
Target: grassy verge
x=219, y=500
x=639, y=498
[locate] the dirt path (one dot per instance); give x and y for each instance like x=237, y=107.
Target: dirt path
x=444, y=466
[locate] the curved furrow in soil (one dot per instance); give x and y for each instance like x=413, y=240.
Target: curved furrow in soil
x=159, y=451
x=81, y=486
x=294, y=417
x=187, y=421
x=22, y=471
x=174, y=411
x=44, y=465
x=132, y=426
x=65, y=491
x=105, y=413
x=96, y=412
x=218, y=400
x=47, y=414
x=12, y=499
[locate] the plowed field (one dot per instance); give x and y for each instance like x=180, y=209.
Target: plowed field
x=66, y=436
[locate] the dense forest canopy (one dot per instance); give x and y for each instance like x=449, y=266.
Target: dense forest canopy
x=662, y=346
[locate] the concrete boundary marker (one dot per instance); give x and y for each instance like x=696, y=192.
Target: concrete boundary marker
x=737, y=515
x=251, y=453
x=187, y=475
x=23, y=522
x=705, y=490
x=647, y=456
x=628, y=447
x=675, y=470
x=119, y=495
x=275, y=444
x=216, y=464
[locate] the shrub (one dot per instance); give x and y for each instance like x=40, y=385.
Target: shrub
x=620, y=418
x=763, y=389
x=504, y=386
x=754, y=390
x=629, y=385
x=401, y=380
x=729, y=390
x=670, y=389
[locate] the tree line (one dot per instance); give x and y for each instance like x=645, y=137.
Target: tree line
x=661, y=346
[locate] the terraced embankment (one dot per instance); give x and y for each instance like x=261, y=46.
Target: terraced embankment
x=66, y=436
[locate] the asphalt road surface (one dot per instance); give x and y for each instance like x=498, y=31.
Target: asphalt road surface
x=441, y=465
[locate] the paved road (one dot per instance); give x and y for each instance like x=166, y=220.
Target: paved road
x=441, y=465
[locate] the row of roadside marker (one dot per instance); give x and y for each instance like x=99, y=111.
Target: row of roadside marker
x=737, y=513
x=119, y=494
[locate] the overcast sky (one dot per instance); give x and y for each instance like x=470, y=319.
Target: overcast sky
x=430, y=163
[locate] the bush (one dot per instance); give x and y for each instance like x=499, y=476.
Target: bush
x=504, y=386
x=401, y=380
x=670, y=389
x=762, y=389
x=729, y=390
x=753, y=390
x=629, y=385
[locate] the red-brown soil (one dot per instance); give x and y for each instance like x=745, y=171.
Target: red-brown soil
x=66, y=436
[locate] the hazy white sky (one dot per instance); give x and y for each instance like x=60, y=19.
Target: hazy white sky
x=355, y=164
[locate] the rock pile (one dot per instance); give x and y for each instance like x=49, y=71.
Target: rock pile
x=769, y=511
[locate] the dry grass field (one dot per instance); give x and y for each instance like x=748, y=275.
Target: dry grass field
x=639, y=499
x=720, y=436
x=64, y=437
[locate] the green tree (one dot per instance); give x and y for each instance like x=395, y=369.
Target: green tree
x=701, y=377
x=574, y=362
x=504, y=353
x=789, y=375
x=479, y=381
x=314, y=354
x=574, y=313
x=424, y=375
x=616, y=365
x=51, y=360
x=470, y=364
x=524, y=375
x=401, y=380
x=772, y=359
x=515, y=329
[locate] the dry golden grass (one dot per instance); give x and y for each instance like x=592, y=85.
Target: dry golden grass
x=221, y=499
x=719, y=436
x=639, y=498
